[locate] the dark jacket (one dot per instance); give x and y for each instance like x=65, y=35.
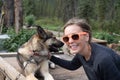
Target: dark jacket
x=104, y=63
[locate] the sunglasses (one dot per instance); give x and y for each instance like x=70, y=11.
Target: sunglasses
x=75, y=36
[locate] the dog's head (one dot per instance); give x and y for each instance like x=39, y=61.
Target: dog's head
x=49, y=39
x=42, y=42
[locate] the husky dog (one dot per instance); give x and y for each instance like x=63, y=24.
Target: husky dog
x=33, y=56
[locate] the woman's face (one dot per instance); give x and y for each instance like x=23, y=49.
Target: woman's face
x=76, y=46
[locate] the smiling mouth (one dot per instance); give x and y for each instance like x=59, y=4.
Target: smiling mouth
x=73, y=46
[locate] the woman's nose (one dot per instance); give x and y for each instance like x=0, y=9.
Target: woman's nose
x=70, y=40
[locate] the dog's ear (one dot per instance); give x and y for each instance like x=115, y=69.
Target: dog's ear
x=42, y=34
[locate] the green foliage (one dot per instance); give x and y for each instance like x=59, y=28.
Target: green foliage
x=108, y=26
x=30, y=20
x=50, y=23
x=16, y=40
x=94, y=24
x=105, y=36
x=28, y=7
x=86, y=9
x=1, y=3
x=118, y=48
x=103, y=13
x=4, y=29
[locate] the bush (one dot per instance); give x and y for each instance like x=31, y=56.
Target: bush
x=30, y=20
x=16, y=40
x=105, y=36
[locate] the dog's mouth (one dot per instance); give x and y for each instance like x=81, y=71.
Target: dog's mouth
x=55, y=48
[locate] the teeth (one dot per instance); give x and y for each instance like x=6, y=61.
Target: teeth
x=73, y=46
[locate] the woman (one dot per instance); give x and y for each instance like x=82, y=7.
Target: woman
x=99, y=62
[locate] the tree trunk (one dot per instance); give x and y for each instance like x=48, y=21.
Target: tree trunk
x=8, y=7
x=18, y=15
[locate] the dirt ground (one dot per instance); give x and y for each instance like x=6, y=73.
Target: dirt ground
x=58, y=73
x=63, y=74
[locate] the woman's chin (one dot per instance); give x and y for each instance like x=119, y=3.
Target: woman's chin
x=73, y=51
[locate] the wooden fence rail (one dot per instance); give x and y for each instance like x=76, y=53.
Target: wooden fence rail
x=11, y=72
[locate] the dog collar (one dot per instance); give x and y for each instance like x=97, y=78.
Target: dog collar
x=37, y=54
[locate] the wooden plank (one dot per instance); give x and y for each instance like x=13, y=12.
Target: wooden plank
x=8, y=54
x=10, y=70
x=99, y=41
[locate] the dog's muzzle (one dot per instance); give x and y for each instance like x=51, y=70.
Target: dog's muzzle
x=55, y=47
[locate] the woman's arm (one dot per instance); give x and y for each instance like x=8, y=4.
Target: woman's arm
x=71, y=65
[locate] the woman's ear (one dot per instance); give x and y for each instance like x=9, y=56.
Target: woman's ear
x=87, y=37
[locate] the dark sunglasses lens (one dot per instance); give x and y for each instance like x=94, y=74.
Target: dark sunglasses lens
x=65, y=39
x=75, y=37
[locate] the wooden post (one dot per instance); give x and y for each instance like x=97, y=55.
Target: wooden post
x=11, y=72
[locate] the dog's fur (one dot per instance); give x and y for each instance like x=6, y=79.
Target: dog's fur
x=33, y=55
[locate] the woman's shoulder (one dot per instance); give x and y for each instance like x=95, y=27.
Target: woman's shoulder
x=97, y=48
x=101, y=53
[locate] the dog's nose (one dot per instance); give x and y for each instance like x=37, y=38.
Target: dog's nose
x=61, y=44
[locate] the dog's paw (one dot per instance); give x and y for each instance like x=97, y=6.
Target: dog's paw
x=52, y=65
